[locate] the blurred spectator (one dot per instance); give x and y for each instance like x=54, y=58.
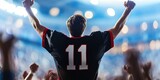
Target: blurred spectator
x=7, y=62
x=147, y=70
x=25, y=73
x=51, y=75
x=134, y=68
x=33, y=69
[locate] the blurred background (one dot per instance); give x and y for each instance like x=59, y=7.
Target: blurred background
x=142, y=30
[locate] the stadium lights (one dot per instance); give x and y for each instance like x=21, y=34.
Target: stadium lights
x=125, y=29
x=19, y=23
x=155, y=24
x=54, y=11
x=124, y=46
x=13, y=9
x=78, y=12
x=110, y=12
x=89, y=14
x=144, y=26
x=95, y=28
x=94, y=2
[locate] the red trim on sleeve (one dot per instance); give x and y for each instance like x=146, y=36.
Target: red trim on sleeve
x=43, y=36
x=111, y=39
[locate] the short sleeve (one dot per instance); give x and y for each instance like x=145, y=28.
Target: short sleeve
x=105, y=38
x=108, y=40
x=46, y=39
x=108, y=36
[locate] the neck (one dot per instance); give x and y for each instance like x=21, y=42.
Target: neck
x=76, y=36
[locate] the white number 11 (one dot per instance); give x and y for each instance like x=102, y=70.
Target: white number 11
x=70, y=50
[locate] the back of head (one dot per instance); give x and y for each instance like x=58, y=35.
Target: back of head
x=76, y=25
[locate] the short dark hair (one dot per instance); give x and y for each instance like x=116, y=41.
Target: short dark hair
x=76, y=25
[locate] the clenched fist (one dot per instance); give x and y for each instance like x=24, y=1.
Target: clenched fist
x=129, y=4
x=28, y=3
x=34, y=67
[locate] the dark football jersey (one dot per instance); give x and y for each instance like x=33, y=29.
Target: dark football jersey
x=77, y=58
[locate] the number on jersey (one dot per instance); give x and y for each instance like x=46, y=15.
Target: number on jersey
x=82, y=50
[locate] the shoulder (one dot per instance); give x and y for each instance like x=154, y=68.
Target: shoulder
x=98, y=33
x=59, y=34
x=95, y=33
x=50, y=32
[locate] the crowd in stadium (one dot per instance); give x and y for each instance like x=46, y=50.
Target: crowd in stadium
x=134, y=68
x=22, y=57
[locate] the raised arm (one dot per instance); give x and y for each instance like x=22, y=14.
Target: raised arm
x=34, y=21
x=120, y=23
x=33, y=68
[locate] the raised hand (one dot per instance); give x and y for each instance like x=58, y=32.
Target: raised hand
x=127, y=68
x=28, y=3
x=129, y=4
x=25, y=73
x=34, y=67
x=147, y=69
